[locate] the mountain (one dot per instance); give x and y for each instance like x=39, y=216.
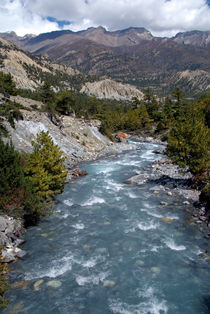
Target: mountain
x=131, y=56
x=28, y=71
x=194, y=38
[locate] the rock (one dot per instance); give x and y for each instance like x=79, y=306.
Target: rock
x=186, y=203
x=166, y=219
x=111, y=89
x=109, y=283
x=155, y=269
x=163, y=203
x=16, y=308
x=19, y=241
x=20, y=253
x=140, y=263
x=38, y=284
x=44, y=235
x=8, y=256
x=202, y=218
x=158, y=151
x=3, y=223
x=53, y=284
x=20, y=285
x=76, y=173
x=4, y=240
x=86, y=246
x=169, y=193
x=121, y=137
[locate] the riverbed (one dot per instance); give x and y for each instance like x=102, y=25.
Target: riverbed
x=110, y=247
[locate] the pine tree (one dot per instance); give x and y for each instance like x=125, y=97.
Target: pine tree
x=189, y=140
x=45, y=168
x=64, y=101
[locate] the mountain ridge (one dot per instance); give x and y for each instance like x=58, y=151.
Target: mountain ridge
x=131, y=56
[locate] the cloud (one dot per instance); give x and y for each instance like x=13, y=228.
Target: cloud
x=161, y=17
x=14, y=16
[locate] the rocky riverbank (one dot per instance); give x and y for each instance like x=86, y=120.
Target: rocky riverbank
x=11, y=236
x=174, y=181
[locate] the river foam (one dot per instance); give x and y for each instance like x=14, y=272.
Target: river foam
x=173, y=246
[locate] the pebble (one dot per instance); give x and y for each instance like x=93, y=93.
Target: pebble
x=16, y=308
x=38, y=284
x=163, y=203
x=186, y=203
x=53, y=284
x=169, y=193
x=109, y=283
x=20, y=284
x=86, y=246
x=155, y=269
x=140, y=263
x=44, y=234
x=166, y=219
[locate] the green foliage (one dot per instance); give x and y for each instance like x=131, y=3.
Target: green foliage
x=204, y=105
x=64, y=102
x=45, y=168
x=189, y=140
x=205, y=196
x=17, y=197
x=46, y=93
x=7, y=86
x=151, y=104
x=11, y=111
x=3, y=282
x=11, y=172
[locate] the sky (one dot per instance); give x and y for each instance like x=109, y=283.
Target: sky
x=160, y=17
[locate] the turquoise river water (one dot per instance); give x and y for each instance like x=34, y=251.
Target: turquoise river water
x=109, y=249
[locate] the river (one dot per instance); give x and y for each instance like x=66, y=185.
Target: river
x=113, y=248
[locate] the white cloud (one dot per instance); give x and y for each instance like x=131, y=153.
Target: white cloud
x=159, y=16
x=14, y=16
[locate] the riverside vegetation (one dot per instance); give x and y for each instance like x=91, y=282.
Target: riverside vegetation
x=28, y=182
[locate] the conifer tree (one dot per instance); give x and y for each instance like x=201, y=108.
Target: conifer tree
x=189, y=140
x=45, y=168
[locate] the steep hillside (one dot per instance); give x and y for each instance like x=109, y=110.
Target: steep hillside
x=131, y=56
x=194, y=38
x=29, y=71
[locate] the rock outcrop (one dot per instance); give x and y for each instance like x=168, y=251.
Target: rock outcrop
x=112, y=90
x=11, y=230
x=78, y=139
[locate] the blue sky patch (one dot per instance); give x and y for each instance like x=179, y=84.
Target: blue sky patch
x=61, y=23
